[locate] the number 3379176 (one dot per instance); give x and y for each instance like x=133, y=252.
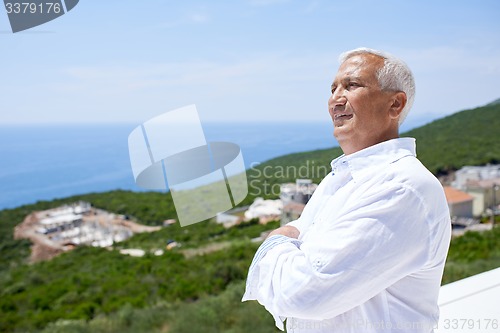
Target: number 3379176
x=472, y=324
x=33, y=8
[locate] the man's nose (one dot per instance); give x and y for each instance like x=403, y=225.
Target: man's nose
x=337, y=96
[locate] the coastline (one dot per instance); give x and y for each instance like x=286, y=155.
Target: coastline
x=48, y=162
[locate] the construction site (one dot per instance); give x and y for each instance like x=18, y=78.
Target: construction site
x=62, y=229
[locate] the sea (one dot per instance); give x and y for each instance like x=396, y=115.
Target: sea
x=44, y=162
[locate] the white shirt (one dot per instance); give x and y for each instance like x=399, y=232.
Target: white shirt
x=371, y=251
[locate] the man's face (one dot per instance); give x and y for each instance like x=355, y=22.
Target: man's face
x=358, y=107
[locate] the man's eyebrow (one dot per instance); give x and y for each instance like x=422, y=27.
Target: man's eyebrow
x=352, y=78
x=347, y=78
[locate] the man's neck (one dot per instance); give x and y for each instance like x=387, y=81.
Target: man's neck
x=352, y=147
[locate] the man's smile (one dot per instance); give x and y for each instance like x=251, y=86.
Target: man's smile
x=342, y=116
x=339, y=114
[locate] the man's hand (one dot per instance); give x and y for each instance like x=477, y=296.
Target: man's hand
x=287, y=231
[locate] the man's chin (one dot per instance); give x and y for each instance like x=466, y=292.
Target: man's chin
x=342, y=134
x=339, y=130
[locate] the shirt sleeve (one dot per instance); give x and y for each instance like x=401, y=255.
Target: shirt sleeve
x=254, y=270
x=377, y=240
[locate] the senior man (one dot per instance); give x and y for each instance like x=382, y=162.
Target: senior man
x=368, y=252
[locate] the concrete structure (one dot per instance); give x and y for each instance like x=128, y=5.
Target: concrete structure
x=294, y=197
x=462, y=225
x=264, y=210
x=59, y=223
x=300, y=191
x=291, y=212
x=60, y=229
x=63, y=218
x=459, y=203
x=231, y=217
x=226, y=219
x=470, y=305
x=486, y=193
x=133, y=252
x=479, y=182
x=468, y=173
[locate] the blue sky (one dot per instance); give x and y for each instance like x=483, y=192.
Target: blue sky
x=250, y=60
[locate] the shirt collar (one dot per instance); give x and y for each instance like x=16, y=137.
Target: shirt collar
x=367, y=159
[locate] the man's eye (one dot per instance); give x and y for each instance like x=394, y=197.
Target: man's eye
x=353, y=84
x=333, y=89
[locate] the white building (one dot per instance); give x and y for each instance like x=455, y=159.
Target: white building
x=459, y=202
x=486, y=194
x=482, y=183
x=294, y=197
x=228, y=220
x=474, y=173
x=264, y=210
x=59, y=222
x=300, y=191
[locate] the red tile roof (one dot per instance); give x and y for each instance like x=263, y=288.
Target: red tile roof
x=454, y=196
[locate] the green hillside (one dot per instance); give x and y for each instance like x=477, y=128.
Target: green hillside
x=470, y=137
x=497, y=101
x=99, y=290
x=121, y=293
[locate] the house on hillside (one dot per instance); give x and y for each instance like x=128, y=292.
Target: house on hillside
x=227, y=220
x=264, y=210
x=63, y=218
x=482, y=183
x=486, y=194
x=291, y=212
x=459, y=203
x=58, y=223
x=300, y=191
x=475, y=173
x=294, y=197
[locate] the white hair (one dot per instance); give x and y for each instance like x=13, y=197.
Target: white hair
x=395, y=75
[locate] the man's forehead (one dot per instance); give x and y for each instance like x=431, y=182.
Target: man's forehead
x=360, y=65
x=365, y=59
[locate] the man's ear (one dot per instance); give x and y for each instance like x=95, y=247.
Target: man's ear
x=398, y=102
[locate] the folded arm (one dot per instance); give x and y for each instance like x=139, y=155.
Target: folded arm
x=378, y=240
